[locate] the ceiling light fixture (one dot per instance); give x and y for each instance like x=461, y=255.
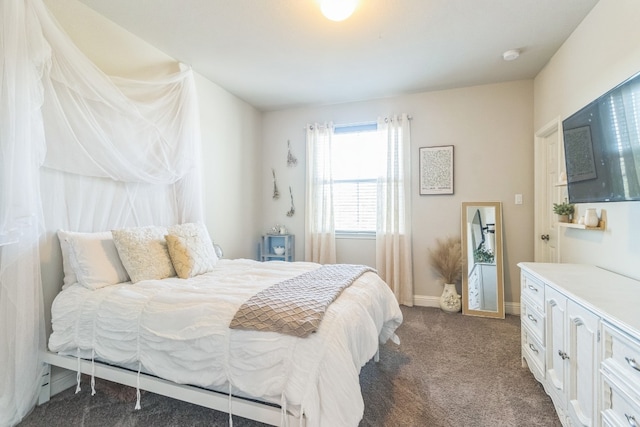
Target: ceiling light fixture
x=338, y=10
x=511, y=55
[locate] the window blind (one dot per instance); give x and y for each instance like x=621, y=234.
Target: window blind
x=357, y=159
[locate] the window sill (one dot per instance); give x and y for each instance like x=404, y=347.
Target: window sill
x=355, y=236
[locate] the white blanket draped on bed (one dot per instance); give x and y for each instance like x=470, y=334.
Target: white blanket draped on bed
x=178, y=330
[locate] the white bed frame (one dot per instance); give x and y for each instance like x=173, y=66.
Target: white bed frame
x=262, y=412
x=257, y=411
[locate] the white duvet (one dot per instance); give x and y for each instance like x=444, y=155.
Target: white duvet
x=178, y=330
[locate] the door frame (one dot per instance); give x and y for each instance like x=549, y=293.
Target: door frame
x=542, y=186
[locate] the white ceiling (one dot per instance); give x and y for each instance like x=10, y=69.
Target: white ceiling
x=278, y=54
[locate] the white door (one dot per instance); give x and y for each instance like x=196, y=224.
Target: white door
x=548, y=164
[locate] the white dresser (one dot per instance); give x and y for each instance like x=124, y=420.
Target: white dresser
x=581, y=340
x=482, y=287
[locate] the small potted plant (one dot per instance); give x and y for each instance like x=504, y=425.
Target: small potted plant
x=564, y=211
x=446, y=259
x=483, y=255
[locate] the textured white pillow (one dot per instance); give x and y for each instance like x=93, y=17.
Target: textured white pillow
x=95, y=260
x=143, y=252
x=191, y=249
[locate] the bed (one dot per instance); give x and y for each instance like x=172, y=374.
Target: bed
x=172, y=336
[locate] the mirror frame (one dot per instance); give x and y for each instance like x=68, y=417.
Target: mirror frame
x=499, y=314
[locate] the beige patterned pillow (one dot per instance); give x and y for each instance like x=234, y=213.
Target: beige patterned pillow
x=190, y=249
x=144, y=253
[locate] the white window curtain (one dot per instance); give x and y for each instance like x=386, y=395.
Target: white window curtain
x=393, y=233
x=83, y=151
x=320, y=234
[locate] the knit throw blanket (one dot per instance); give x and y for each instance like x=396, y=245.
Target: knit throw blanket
x=297, y=305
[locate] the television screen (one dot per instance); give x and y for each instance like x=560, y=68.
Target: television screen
x=602, y=147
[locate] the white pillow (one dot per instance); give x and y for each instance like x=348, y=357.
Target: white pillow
x=143, y=252
x=69, y=275
x=93, y=259
x=191, y=249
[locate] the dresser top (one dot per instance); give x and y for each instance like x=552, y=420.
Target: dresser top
x=612, y=296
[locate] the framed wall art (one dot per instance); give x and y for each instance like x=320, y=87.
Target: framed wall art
x=436, y=170
x=581, y=165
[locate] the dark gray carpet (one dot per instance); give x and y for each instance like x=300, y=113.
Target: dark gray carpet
x=449, y=370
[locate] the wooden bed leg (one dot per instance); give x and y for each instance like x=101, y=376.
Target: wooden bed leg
x=376, y=357
x=45, y=386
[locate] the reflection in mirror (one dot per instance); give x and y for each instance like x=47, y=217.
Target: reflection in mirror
x=482, y=271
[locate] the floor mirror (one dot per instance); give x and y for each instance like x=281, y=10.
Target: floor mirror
x=482, y=269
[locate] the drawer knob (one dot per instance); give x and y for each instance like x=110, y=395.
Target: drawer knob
x=533, y=319
x=533, y=288
x=535, y=350
x=631, y=420
x=632, y=363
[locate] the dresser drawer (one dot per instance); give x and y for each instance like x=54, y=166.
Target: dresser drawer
x=533, y=289
x=621, y=354
x=533, y=319
x=608, y=420
x=533, y=351
x=620, y=406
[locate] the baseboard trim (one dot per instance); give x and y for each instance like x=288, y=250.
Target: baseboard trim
x=426, y=301
x=512, y=308
x=429, y=301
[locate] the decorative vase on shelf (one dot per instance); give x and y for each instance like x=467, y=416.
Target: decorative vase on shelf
x=450, y=300
x=591, y=218
x=563, y=218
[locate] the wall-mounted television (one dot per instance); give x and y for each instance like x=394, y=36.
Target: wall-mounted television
x=602, y=147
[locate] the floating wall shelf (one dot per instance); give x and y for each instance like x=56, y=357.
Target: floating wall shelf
x=601, y=225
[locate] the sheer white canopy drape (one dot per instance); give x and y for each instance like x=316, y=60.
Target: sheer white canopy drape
x=393, y=233
x=82, y=151
x=22, y=151
x=320, y=234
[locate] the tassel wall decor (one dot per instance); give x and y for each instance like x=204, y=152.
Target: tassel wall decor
x=293, y=209
x=291, y=159
x=276, y=193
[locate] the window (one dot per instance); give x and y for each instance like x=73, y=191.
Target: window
x=358, y=159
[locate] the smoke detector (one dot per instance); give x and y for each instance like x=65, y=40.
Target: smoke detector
x=511, y=55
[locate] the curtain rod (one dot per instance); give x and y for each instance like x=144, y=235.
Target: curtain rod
x=354, y=124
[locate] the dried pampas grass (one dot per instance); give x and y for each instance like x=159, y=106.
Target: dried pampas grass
x=446, y=259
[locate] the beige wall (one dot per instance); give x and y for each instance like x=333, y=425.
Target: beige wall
x=230, y=128
x=489, y=126
x=602, y=52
